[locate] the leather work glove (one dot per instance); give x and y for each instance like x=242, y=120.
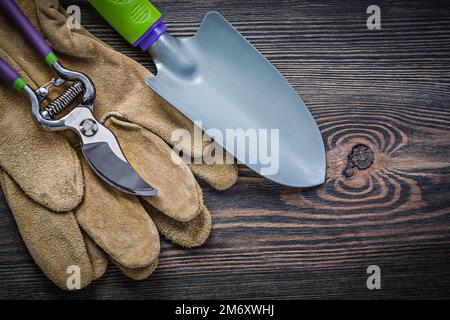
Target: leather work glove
x=65, y=214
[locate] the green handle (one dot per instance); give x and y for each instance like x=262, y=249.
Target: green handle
x=131, y=18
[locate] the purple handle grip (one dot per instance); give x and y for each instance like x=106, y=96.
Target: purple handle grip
x=7, y=74
x=20, y=21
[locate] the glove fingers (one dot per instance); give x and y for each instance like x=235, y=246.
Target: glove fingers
x=187, y=234
x=218, y=176
x=138, y=273
x=54, y=240
x=98, y=259
x=165, y=123
x=179, y=195
x=117, y=223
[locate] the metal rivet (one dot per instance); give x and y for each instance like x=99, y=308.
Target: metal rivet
x=88, y=127
x=43, y=92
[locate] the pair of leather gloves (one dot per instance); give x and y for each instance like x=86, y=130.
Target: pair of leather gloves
x=65, y=214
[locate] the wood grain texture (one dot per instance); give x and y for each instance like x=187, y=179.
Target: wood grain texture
x=387, y=90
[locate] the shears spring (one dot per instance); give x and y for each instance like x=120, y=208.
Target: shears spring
x=58, y=105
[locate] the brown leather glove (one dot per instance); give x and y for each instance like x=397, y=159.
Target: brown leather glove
x=65, y=214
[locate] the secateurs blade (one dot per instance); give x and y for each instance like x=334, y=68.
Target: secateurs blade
x=99, y=146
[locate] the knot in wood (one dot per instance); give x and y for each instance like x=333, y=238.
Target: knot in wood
x=360, y=158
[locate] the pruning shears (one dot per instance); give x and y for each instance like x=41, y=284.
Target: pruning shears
x=98, y=144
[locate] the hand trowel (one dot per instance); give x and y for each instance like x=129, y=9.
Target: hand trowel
x=218, y=79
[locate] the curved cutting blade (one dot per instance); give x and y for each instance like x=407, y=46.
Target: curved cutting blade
x=218, y=78
x=103, y=154
x=115, y=171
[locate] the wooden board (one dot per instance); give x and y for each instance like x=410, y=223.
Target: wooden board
x=382, y=101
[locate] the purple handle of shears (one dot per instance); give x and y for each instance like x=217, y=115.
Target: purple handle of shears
x=7, y=74
x=20, y=21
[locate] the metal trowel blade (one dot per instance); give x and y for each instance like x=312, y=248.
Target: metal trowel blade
x=219, y=79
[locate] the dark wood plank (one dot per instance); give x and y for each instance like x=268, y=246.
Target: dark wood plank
x=385, y=203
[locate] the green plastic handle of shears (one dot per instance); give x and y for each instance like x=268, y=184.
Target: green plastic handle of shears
x=131, y=18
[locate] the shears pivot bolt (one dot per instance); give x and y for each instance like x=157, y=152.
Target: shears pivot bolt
x=88, y=127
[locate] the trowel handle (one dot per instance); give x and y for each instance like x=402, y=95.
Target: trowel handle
x=137, y=21
x=12, y=11
x=10, y=77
